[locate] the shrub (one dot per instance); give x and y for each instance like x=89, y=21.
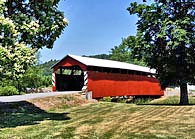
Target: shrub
x=127, y=100
x=142, y=100
x=34, y=79
x=8, y=91
x=113, y=99
x=106, y=99
x=121, y=100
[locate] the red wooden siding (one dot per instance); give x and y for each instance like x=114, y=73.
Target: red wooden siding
x=69, y=62
x=115, y=84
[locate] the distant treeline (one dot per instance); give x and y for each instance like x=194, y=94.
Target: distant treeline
x=46, y=67
x=100, y=56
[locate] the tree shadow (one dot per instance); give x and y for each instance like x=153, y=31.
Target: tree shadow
x=25, y=113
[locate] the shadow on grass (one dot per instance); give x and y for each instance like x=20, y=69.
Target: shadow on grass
x=25, y=113
x=156, y=104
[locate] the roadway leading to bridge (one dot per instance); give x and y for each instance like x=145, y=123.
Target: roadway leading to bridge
x=17, y=98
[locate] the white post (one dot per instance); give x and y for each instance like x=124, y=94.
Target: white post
x=84, y=89
x=53, y=81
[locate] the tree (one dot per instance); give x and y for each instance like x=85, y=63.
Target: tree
x=15, y=57
x=166, y=39
x=123, y=52
x=34, y=78
x=25, y=27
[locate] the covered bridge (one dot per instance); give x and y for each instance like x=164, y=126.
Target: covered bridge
x=104, y=77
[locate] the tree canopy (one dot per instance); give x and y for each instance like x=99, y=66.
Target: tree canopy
x=15, y=57
x=25, y=27
x=166, y=39
x=38, y=22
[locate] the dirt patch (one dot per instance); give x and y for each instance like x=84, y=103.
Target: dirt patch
x=59, y=101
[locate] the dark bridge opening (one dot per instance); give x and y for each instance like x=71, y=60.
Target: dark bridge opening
x=69, y=79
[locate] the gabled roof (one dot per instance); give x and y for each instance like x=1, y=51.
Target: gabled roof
x=88, y=61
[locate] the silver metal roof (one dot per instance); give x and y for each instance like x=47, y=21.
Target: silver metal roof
x=109, y=64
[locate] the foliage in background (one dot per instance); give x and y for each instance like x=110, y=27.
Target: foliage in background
x=46, y=67
x=8, y=91
x=100, y=56
x=165, y=39
x=123, y=52
x=34, y=78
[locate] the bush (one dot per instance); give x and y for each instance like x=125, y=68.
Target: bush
x=8, y=91
x=34, y=79
x=120, y=100
x=113, y=99
x=127, y=100
x=106, y=99
x=142, y=100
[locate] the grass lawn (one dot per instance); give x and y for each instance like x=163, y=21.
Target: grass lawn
x=70, y=117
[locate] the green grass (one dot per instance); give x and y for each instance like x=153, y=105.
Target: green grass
x=101, y=120
x=173, y=100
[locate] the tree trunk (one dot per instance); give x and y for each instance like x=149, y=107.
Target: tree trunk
x=183, y=94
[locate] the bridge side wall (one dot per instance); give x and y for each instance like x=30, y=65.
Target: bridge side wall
x=116, y=84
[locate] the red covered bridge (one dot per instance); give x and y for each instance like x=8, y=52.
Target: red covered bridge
x=104, y=77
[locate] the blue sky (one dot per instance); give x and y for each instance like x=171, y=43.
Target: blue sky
x=95, y=26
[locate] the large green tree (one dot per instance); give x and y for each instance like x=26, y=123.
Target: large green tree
x=25, y=27
x=15, y=57
x=166, y=39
